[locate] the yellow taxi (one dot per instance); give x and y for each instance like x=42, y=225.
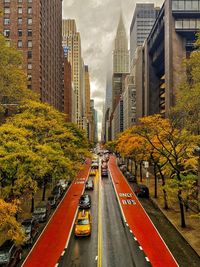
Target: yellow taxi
x=92, y=172
x=83, y=223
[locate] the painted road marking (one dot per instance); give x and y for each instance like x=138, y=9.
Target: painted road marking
x=99, y=262
x=135, y=238
x=63, y=253
x=147, y=259
x=56, y=264
x=96, y=258
x=128, y=202
x=140, y=248
x=125, y=195
x=131, y=231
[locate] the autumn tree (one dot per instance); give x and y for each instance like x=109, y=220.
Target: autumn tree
x=173, y=144
x=13, y=85
x=9, y=227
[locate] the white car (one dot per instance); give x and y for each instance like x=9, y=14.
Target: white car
x=64, y=184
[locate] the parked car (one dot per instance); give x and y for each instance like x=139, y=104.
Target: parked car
x=57, y=191
x=141, y=190
x=123, y=168
x=85, y=201
x=130, y=177
x=10, y=254
x=64, y=184
x=41, y=213
x=104, y=165
x=89, y=185
x=31, y=227
x=83, y=224
x=53, y=201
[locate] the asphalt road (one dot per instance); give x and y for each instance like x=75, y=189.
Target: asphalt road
x=117, y=248
x=82, y=251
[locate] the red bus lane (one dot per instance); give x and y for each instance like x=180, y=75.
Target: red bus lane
x=55, y=237
x=139, y=222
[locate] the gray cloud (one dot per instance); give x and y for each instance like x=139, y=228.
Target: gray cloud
x=97, y=22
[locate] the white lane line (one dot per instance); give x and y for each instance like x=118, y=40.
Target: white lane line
x=127, y=225
x=135, y=238
x=96, y=258
x=140, y=248
x=131, y=231
x=56, y=264
x=147, y=259
x=63, y=253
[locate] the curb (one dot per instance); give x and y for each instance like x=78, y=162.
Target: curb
x=169, y=220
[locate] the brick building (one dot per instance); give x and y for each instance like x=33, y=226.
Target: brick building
x=35, y=28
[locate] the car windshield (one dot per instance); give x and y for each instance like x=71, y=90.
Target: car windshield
x=51, y=198
x=83, y=222
x=40, y=210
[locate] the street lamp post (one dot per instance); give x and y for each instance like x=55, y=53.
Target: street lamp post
x=196, y=152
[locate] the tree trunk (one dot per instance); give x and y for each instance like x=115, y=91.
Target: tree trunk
x=32, y=202
x=156, y=181
x=135, y=170
x=131, y=166
x=166, y=207
x=44, y=191
x=141, y=176
x=183, y=225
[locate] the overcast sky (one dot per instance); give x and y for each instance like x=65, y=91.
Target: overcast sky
x=97, y=22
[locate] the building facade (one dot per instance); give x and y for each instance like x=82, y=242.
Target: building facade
x=143, y=19
x=168, y=44
x=129, y=103
x=35, y=29
x=71, y=40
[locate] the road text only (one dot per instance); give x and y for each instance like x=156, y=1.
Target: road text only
x=127, y=201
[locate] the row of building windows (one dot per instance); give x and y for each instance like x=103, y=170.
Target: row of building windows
x=7, y=21
x=20, y=10
x=7, y=32
x=187, y=24
x=19, y=1
x=20, y=44
x=189, y=5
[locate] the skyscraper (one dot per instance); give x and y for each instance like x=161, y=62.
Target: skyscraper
x=35, y=29
x=120, y=63
x=72, y=41
x=121, y=52
x=143, y=19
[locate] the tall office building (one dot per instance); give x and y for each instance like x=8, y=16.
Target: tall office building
x=121, y=52
x=143, y=19
x=120, y=63
x=35, y=29
x=72, y=41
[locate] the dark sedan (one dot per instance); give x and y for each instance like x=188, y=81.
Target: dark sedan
x=89, y=185
x=85, y=201
x=141, y=190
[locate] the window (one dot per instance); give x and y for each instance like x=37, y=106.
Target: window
x=29, y=54
x=178, y=24
x=29, y=33
x=6, y=33
x=19, y=10
x=6, y=1
x=6, y=21
x=19, y=44
x=29, y=86
x=29, y=66
x=29, y=10
x=186, y=24
x=29, y=44
x=19, y=1
x=29, y=1
x=6, y=10
x=19, y=21
x=19, y=33
x=29, y=21
x=29, y=77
